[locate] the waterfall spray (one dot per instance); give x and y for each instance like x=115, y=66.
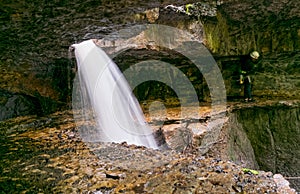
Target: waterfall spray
x=103, y=97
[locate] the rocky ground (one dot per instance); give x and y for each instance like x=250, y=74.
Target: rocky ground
x=36, y=74
x=47, y=155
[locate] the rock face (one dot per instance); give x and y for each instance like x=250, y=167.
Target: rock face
x=262, y=135
x=13, y=105
x=36, y=74
x=275, y=76
x=266, y=137
x=36, y=36
x=46, y=154
x=272, y=27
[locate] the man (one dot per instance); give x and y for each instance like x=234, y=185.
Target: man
x=246, y=72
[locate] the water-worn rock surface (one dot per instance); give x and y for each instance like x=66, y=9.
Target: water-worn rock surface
x=274, y=134
x=46, y=154
x=35, y=37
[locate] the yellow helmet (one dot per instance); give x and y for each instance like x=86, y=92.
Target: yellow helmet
x=254, y=55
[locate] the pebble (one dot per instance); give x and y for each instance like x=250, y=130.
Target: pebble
x=111, y=168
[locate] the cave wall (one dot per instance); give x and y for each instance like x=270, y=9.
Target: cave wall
x=35, y=37
x=229, y=38
x=270, y=27
x=239, y=148
x=276, y=76
x=272, y=30
x=266, y=137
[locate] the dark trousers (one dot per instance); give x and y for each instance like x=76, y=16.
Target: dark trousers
x=247, y=91
x=247, y=88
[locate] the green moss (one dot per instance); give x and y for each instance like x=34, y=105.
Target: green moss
x=216, y=33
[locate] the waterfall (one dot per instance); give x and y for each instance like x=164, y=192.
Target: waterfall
x=103, y=98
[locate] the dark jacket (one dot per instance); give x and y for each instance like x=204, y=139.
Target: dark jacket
x=247, y=66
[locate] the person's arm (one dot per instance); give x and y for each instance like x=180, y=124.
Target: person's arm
x=243, y=65
x=241, y=72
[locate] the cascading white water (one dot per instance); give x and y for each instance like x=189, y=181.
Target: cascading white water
x=106, y=100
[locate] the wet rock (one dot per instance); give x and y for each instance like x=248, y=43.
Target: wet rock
x=264, y=126
x=181, y=139
x=35, y=62
x=152, y=14
x=283, y=184
x=160, y=139
x=103, y=167
x=13, y=105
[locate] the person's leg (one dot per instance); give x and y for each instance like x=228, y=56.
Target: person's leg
x=250, y=88
x=247, y=91
x=250, y=92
